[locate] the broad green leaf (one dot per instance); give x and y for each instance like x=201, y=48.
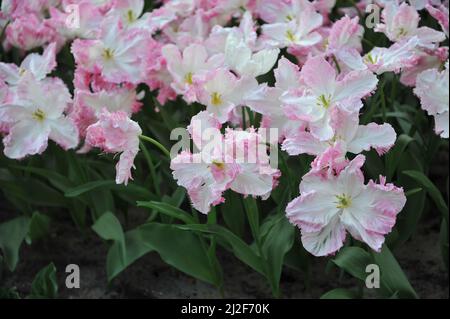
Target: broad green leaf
x=57, y=180
x=135, y=248
x=374, y=165
x=393, y=279
x=44, y=285
x=180, y=249
x=25, y=189
x=233, y=213
x=354, y=261
x=251, y=207
x=240, y=249
x=409, y=217
x=169, y=210
x=298, y=258
x=277, y=243
x=9, y=293
x=432, y=190
x=12, y=234
x=107, y=185
x=395, y=154
x=39, y=226
x=108, y=227
x=340, y=293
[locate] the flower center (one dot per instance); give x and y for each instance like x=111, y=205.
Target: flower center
x=216, y=99
x=290, y=17
x=130, y=16
x=324, y=101
x=188, y=78
x=108, y=54
x=402, y=32
x=39, y=115
x=219, y=165
x=371, y=59
x=290, y=35
x=343, y=201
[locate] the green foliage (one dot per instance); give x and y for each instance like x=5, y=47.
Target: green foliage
x=45, y=285
x=12, y=234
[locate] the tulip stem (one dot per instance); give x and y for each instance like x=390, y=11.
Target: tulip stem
x=155, y=143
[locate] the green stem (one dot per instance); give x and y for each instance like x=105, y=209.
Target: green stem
x=244, y=120
x=394, y=88
x=2, y=33
x=383, y=102
x=338, y=67
x=155, y=143
x=151, y=167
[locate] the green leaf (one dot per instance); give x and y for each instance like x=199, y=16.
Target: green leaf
x=432, y=190
x=374, y=165
x=57, y=180
x=180, y=249
x=169, y=210
x=251, y=208
x=233, y=214
x=9, y=293
x=277, y=243
x=12, y=234
x=25, y=190
x=298, y=258
x=135, y=248
x=340, y=293
x=394, y=155
x=44, y=285
x=39, y=226
x=108, y=227
x=409, y=217
x=354, y=261
x=393, y=279
x=105, y=185
x=240, y=249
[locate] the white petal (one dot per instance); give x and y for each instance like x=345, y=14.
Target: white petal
x=326, y=241
x=64, y=132
x=380, y=137
x=27, y=137
x=356, y=85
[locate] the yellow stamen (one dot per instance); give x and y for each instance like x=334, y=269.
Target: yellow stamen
x=216, y=99
x=219, y=165
x=324, y=101
x=108, y=54
x=326, y=43
x=188, y=78
x=402, y=32
x=290, y=18
x=370, y=59
x=39, y=115
x=344, y=201
x=291, y=36
x=130, y=16
x=22, y=71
